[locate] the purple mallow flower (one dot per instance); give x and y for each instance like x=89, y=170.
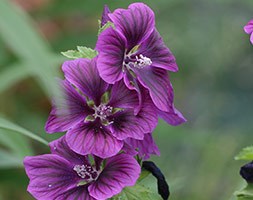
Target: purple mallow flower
x=135, y=52
x=143, y=148
x=249, y=30
x=98, y=117
x=66, y=175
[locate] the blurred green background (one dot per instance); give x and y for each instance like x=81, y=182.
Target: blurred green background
x=213, y=89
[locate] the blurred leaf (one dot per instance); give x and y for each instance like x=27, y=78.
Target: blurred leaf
x=17, y=30
x=246, y=193
x=144, y=174
x=12, y=75
x=137, y=192
x=5, y=124
x=245, y=154
x=81, y=52
x=17, y=143
x=9, y=160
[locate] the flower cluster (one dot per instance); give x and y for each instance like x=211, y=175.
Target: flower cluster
x=109, y=107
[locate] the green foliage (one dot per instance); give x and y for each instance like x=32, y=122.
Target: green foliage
x=137, y=192
x=245, y=154
x=107, y=25
x=5, y=124
x=81, y=52
x=246, y=193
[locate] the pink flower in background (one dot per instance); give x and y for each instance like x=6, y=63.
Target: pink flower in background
x=248, y=28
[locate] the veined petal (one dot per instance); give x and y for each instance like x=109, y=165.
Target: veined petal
x=126, y=124
x=157, y=82
x=50, y=176
x=133, y=84
x=111, y=47
x=69, y=111
x=92, y=138
x=120, y=171
x=61, y=148
x=105, y=18
x=172, y=117
x=122, y=97
x=79, y=193
x=136, y=23
x=154, y=48
x=83, y=74
x=249, y=27
x=145, y=147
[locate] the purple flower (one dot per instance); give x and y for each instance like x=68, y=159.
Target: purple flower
x=105, y=18
x=65, y=175
x=98, y=116
x=249, y=30
x=135, y=52
x=144, y=148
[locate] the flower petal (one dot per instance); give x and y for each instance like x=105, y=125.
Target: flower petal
x=61, y=148
x=122, y=97
x=136, y=23
x=50, y=175
x=126, y=124
x=172, y=117
x=79, y=193
x=111, y=48
x=105, y=18
x=157, y=82
x=83, y=74
x=120, y=171
x=249, y=27
x=160, y=55
x=92, y=138
x=68, y=112
x=145, y=147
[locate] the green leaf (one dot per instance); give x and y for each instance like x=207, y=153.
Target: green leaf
x=81, y=52
x=144, y=174
x=137, y=192
x=15, y=142
x=12, y=75
x=5, y=124
x=107, y=25
x=19, y=33
x=9, y=160
x=245, y=154
x=246, y=193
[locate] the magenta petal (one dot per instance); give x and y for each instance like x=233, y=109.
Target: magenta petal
x=105, y=18
x=61, y=148
x=172, y=117
x=92, y=138
x=155, y=49
x=249, y=27
x=83, y=74
x=122, y=97
x=120, y=171
x=251, y=38
x=79, y=193
x=111, y=47
x=126, y=124
x=136, y=23
x=68, y=112
x=50, y=175
x=145, y=147
x=157, y=82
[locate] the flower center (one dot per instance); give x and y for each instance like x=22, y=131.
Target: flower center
x=138, y=61
x=86, y=172
x=102, y=111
